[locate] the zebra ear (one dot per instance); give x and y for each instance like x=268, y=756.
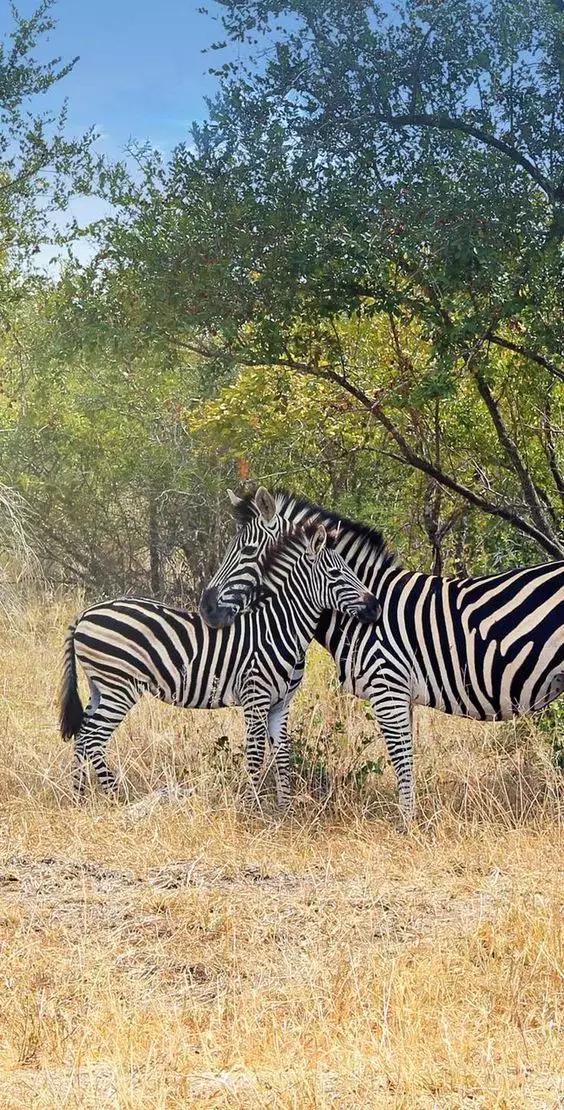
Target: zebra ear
x=265, y=504
x=318, y=542
x=234, y=499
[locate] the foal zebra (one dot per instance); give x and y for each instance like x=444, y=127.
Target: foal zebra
x=130, y=646
x=488, y=647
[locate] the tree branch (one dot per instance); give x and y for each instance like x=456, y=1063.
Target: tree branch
x=550, y=451
x=526, y=352
x=528, y=487
x=555, y=193
x=547, y=542
x=552, y=547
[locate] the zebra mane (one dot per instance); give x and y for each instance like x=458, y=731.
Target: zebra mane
x=291, y=504
x=292, y=541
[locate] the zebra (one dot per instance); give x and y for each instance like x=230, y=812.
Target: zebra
x=130, y=646
x=489, y=647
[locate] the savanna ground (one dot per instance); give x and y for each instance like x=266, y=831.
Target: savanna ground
x=174, y=951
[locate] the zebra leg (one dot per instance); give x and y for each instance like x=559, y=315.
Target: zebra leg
x=80, y=769
x=90, y=747
x=91, y=740
x=281, y=743
x=278, y=733
x=256, y=721
x=393, y=712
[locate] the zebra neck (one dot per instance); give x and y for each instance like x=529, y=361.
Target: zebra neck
x=293, y=605
x=369, y=564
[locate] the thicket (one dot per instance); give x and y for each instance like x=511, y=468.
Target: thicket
x=347, y=282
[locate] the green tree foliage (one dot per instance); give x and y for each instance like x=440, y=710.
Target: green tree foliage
x=40, y=166
x=348, y=283
x=96, y=443
x=403, y=171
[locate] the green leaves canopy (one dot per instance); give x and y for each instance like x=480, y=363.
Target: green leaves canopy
x=400, y=168
x=40, y=166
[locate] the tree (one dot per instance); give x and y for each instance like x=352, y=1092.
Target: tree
x=403, y=169
x=40, y=167
x=96, y=442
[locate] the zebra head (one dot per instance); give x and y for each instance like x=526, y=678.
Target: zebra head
x=335, y=585
x=304, y=568
x=235, y=584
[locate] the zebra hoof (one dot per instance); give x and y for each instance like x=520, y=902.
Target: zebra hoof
x=284, y=799
x=117, y=792
x=406, y=824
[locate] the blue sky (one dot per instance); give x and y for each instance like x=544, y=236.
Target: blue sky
x=141, y=75
x=141, y=72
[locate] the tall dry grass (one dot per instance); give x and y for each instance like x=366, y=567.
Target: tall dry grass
x=174, y=951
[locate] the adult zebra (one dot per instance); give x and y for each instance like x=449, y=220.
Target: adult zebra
x=130, y=646
x=490, y=647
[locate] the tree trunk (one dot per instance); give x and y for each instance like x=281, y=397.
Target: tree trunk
x=154, y=549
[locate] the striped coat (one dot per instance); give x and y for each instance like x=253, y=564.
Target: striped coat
x=487, y=647
x=131, y=646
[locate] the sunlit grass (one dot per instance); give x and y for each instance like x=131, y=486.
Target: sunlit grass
x=174, y=951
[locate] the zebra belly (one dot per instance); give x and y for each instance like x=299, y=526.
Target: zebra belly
x=365, y=665
x=500, y=700
x=212, y=696
x=241, y=687
x=433, y=699
x=546, y=691
x=423, y=694
x=215, y=703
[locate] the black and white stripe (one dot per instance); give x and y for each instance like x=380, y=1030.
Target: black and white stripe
x=490, y=647
x=129, y=646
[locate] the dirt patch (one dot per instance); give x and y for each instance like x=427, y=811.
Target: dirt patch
x=50, y=875
x=84, y=895
x=186, y=873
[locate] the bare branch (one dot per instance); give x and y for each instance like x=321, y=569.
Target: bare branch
x=547, y=542
x=550, y=451
x=530, y=493
x=407, y=455
x=527, y=353
x=553, y=548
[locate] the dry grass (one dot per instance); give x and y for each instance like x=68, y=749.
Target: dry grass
x=175, y=952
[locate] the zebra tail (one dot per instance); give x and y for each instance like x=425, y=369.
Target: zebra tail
x=71, y=712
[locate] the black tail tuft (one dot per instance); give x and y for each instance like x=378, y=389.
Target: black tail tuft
x=70, y=706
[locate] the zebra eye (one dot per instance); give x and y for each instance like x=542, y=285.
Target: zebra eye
x=248, y=550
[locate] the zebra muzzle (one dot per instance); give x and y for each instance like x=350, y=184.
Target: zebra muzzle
x=214, y=614
x=371, y=611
